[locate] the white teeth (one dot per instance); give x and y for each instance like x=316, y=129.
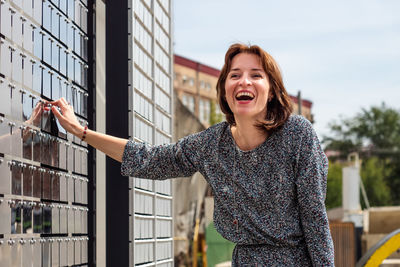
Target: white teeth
x=245, y=94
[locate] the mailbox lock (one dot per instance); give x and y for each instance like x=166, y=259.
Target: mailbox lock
x=22, y=242
x=32, y=241
x=1, y=242
x=11, y=202
x=42, y=240
x=51, y=240
x=1, y=119
x=1, y=201
x=1, y=160
x=11, y=242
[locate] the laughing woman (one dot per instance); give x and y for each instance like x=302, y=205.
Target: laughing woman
x=265, y=166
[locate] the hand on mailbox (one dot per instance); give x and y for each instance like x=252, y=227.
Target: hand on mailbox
x=66, y=117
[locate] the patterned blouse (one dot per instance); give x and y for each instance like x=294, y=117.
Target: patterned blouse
x=269, y=200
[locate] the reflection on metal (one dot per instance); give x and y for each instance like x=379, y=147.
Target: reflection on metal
x=380, y=251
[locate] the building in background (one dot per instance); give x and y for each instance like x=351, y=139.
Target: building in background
x=195, y=84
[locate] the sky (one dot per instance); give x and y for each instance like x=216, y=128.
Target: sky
x=342, y=55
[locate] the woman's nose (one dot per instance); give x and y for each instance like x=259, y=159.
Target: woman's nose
x=244, y=81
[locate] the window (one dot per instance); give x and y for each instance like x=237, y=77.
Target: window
x=188, y=101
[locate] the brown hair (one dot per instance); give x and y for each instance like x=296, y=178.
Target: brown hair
x=280, y=106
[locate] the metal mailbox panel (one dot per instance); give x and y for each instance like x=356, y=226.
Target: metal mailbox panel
x=71, y=187
x=63, y=186
x=6, y=52
x=143, y=228
x=71, y=220
x=27, y=143
x=78, y=189
x=77, y=253
x=37, y=218
x=36, y=182
x=55, y=22
x=5, y=103
x=5, y=177
x=71, y=250
x=46, y=252
x=84, y=220
x=27, y=7
x=84, y=161
x=26, y=253
x=62, y=154
x=143, y=203
x=70, y=157
x=37, y=10
x=46, y=15
x=55, y=186
x=85, y=191
x=164, y=250
x=5, y=16
x=16, y=178
x=55, y=253
x=37, y=253
x=16, y=141
x=16, y=72
x=143, y=252
x=55, y=219
x=63, y=220
x=5, y=252
x=46, y=184
x=16, y=103
x=16, y=218
x=16, y=33
x=27, y=227
x=63, y=252
x=77, y=220
x=78, y=160
x=27, y=180
x=27, y=71
x=5, y=213
x=84, y=248
x=54, y=151
x=16, y=253
x=46, y=219
x=36, y=144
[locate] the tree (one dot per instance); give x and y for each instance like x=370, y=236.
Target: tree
x=334, y=186
x=375, y=134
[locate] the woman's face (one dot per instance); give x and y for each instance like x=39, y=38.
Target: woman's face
x=247, y=87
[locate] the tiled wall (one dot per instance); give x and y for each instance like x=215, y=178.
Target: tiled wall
x=150, y=87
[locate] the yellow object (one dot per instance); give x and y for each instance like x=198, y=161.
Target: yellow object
x=384, y=251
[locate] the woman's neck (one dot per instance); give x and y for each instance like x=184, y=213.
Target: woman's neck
x=246, y=135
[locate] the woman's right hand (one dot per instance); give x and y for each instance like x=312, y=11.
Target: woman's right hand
x=67, y=117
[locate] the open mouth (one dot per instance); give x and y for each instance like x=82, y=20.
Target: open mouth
x=244, y=96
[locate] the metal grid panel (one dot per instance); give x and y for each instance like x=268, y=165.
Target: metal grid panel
x=151, y=122
x=43, y=184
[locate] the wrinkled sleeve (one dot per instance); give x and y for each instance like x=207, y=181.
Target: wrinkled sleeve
x=162, y=161
x=311, y=189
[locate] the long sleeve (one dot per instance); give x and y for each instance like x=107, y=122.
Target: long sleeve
x=312, y=168
x=163, y=161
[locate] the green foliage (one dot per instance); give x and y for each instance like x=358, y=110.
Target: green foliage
x=375, y=134
x=334, y=186
x=214, y=116
x=374, y=174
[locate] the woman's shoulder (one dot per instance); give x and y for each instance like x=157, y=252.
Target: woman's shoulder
x=298, y=124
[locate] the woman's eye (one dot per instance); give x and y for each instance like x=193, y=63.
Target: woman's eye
x=234, y=75
x=257, y=75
